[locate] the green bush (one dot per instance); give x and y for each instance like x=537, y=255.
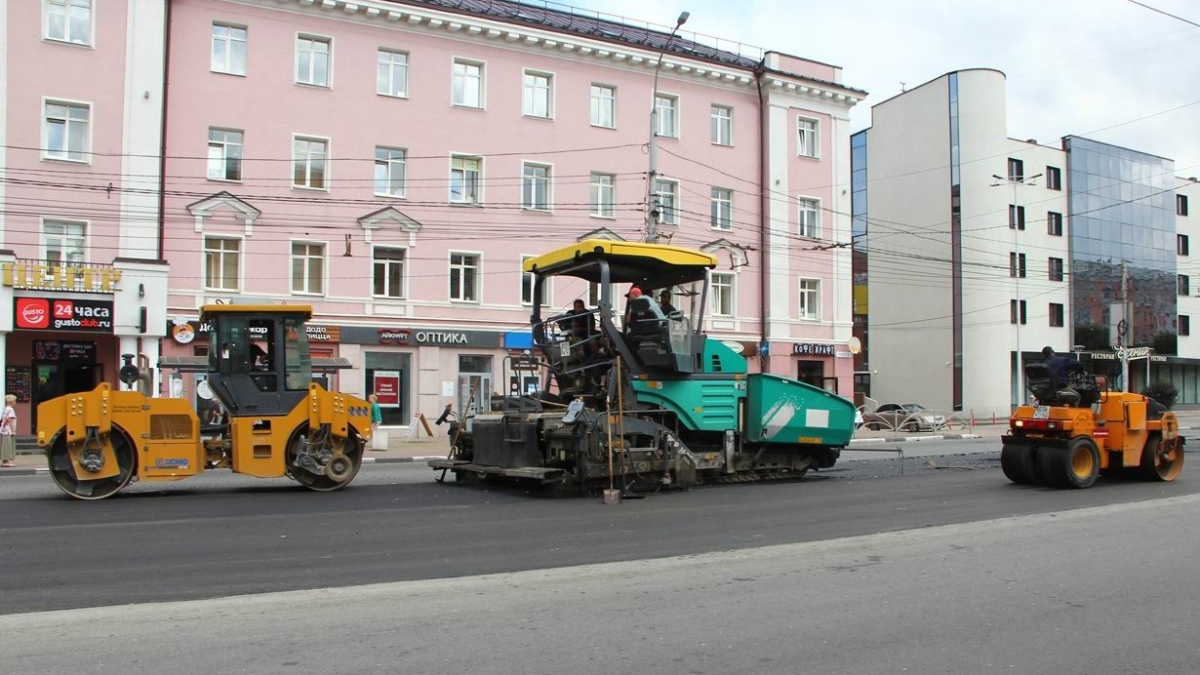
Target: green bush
x=1163, y=392
x=1164, y=343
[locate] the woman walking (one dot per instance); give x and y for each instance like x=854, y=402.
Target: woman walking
x=377, y=443
x=8, y=432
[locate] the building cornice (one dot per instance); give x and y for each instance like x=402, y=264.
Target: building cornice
x=484, y=29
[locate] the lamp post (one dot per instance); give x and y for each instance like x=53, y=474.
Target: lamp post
x=652, y=206
x=1015, y=223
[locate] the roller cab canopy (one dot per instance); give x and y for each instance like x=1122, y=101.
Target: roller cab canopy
x=646, y=265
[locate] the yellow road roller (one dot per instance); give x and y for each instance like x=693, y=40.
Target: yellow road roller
x=1077, y=432
x=278, y=421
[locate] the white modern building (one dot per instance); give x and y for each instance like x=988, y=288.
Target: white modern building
x=978, y=250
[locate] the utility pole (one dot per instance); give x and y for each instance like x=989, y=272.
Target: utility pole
x=653, y=208
x=1016, y=224
x=1122, y=341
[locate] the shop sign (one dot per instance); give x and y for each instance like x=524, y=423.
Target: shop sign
x=91, y=316
x=74, y=352
x=420, y=336
x=813, y=349
x=387, y=388
x=184, y=332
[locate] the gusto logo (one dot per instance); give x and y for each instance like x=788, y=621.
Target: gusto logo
x=33, y=313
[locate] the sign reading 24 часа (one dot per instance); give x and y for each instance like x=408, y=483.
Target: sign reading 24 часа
x=90, y=316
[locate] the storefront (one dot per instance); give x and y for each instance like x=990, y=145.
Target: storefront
x=417, y=370
x=59, y=345
x=815, y=364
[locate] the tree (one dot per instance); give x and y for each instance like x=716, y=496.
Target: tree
x=1163, y=392
x=1164, y=343
x=1092, y=337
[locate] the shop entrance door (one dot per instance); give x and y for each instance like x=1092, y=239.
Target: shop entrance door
x=52, y=379
x=474, y=377
x=811, y=372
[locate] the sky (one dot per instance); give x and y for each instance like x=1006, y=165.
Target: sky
x=1079, y=67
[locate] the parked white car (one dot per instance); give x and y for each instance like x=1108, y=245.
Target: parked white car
x=905, y=417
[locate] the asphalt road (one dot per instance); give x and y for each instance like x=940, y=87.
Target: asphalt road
x=222, y=536
x=1099, y=590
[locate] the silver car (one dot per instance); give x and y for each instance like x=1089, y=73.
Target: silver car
x=903, y=416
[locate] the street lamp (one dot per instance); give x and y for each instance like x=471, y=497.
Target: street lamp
x=652, y=207
x=1015, y=211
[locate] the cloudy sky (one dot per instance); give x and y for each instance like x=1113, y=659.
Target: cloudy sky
x=1074, y=66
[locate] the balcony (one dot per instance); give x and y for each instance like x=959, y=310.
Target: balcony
x=42, y=275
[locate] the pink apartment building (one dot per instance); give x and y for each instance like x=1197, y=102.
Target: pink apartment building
x=392, y=162
x=82, y=276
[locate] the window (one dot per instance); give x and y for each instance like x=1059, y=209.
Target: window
x=388, y=272
x=1053, y=223
x=308, y=268
x=222, y=263
x=604, y=195
x=1181, y=208
x=312, y=60
x=465, y=173
x=67, y=131
x=1185, y=325
x=667, y=107
x=810, y=217
x=1016, y=311
x=527, y=282
x=467, y=84
x=722, y=209
x=1016, y=265
x=1185, y=285
x=807, y=142
x=391, y=73
x=722, y=125
x=1016, y=217
x=1181, y=244
x=464, y=277
x=1056, y=315
x=69, y=21
x=1016, y=169
x=667, y=194
x=224, y=154
x=722, y=292
x=308, y=162
x=604, y=106
x=537, y=95
x=228, y=49
x=1053, y=178
x=810, y=299
x=1056, y=269
x=64, y=241
x=389, y=172
x=535, y=187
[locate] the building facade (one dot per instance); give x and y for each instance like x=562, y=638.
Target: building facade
x=415, y=153
x=978, y=250
x=392, y=163
x=82, y=280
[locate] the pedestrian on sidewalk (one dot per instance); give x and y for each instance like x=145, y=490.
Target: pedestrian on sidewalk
x=8, y=432
x=376, y=420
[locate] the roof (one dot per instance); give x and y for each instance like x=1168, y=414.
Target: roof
x=566, y=21
x=304, y=310
x=649, y=265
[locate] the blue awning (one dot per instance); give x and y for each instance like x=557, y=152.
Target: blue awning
x=522, y=340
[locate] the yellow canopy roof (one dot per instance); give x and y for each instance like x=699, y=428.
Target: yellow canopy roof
x=628, y=262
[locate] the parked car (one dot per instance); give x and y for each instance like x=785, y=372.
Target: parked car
x=903, y=416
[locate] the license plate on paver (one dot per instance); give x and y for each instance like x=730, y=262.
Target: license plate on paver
x=1041, y=412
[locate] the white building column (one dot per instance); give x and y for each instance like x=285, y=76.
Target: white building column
x=142, y=125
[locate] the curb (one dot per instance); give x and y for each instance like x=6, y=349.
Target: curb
x=396, y=460
x=915, y=439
